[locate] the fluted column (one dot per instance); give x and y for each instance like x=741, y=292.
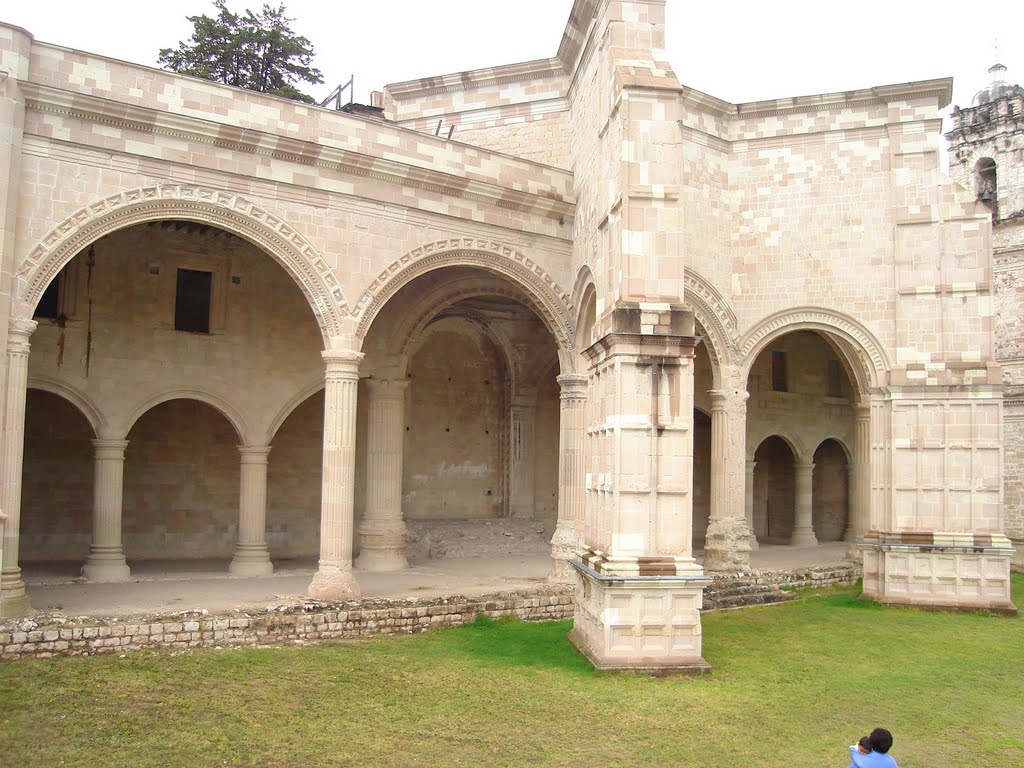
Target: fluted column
x=860, y=480
x=106, y=555
x=748, y=503
x=521, y=456
x=571, y=474
x=727, y=543
x=13, y=600
x=333, y=579
x=382, y=532
x=803, y=529
x=252, y=558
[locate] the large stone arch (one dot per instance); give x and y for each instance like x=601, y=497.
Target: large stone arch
x=863, y=353
x=218, y=403
x=716, y=318
x=89, y=410
x=797, y=446
x=225, y=210
x=544, y=295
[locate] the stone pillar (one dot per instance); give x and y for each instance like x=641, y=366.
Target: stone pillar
x=106, y=555
x=382, y=531
x=638, y=589
x=727, y=544
x=571, y=474
x=333, y=579
x=860, y=480
x=803, y=528
x=252, y=558
x=521, y=456
x=748, y=503
x=13, y=600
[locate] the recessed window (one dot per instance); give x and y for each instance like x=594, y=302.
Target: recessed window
x=192, y=301
x=779, y=371
x=834, y=386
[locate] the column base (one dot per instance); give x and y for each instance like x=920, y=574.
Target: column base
x=106, y=565
x=754, y=544
x=251, y=560
x=939, y=570
x=564, y=545
x=641, y=624
x=727, y=546
x=333, y=582
x=803, y=537
x=13, y=599
x=382, y=551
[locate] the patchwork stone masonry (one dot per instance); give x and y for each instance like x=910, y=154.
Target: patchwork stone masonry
x=659, y=327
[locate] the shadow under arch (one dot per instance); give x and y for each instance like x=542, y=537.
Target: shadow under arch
x=838, y=441
x=89, y=410
x=218, y=208
x=213, y=400
x=864, y=355
x=298, y=399
x=795, y=446
x=539, y=289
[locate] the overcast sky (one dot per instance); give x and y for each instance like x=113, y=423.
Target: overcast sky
x=743, y=50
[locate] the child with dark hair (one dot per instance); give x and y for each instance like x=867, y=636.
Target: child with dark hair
x=872, y=751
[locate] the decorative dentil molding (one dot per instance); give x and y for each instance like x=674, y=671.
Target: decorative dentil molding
x=218, y=208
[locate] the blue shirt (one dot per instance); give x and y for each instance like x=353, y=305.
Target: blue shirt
x=870, y=760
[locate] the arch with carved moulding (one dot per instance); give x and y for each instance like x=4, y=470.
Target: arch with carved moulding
x=538, y=288
x=716, y=319
x=863, y=353
x=217, y=208
x=294, y=402
x=218, y=403
x=89, y=410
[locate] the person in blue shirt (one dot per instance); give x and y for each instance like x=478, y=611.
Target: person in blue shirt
x=880, y=741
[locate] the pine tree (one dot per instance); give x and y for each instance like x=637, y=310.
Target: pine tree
x=255, y=51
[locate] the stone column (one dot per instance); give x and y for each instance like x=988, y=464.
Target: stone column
x=748, y=503
x=727, y=544
x=106, y=555
x=334, y=580
x=521, y=455
x=803, y=529
x=860, y=480
x=382, y=531
x=252, y=558
x=571, y=474
x=13, y=600
x=638, y=588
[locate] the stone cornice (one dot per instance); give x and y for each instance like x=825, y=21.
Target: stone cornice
x=941, y=90
x=146, y=120
x=476, y=78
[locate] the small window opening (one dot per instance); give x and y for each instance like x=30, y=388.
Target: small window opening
x=779, y=371
x=192, y=301
x=835, y=379
x=985, y=183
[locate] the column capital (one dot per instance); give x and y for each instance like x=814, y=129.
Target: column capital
x=721, y=399
x=387, y=389
x=805, y=466
x=341, y=364
x=109, y=449
x=18, y=333
x=862, y=411
x=573, y=386
x=254, y=454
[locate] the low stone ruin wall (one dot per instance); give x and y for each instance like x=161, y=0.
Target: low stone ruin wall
x=55, y=634
x=49, y=635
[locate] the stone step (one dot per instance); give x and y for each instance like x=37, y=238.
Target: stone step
x=735, y=593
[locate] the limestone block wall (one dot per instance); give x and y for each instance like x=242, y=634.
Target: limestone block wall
x=293, y=481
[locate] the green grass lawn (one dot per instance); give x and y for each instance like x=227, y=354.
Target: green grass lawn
x=793, y=685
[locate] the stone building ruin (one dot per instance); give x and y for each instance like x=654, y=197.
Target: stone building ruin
x=611, y=315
